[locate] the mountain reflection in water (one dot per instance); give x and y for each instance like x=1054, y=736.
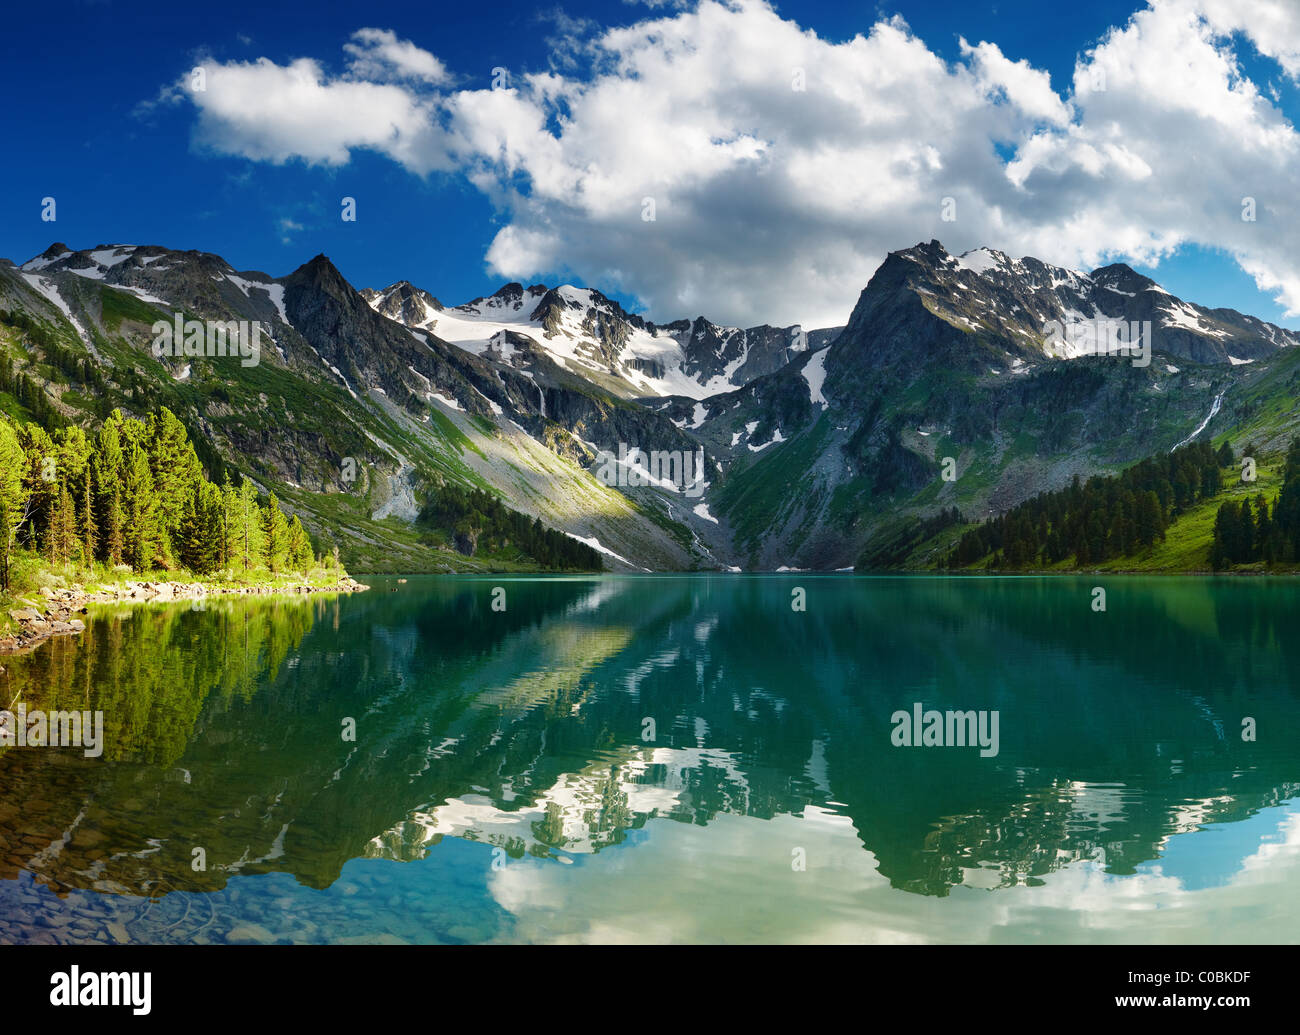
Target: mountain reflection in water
x=676, y=758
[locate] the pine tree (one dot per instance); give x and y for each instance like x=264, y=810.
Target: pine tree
x=244, y=529
x=300, y=553
x=14, y=496
x=276, y=535
x=1220, y=556
x=41, y=478
x=61, y=535
x=1286, y=511
x=175, y=468
x=114, y=537
x=144, y=546
x=1147, y=506
x=201, y=538
x=108, y=467
x=89, y=530
x=228, y=502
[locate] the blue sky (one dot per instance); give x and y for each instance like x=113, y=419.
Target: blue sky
x=746, y=233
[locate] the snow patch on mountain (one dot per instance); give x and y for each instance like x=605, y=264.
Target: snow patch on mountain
x=596, y=544
x=48, y=289
x=591, y=335
x=814, y=372
x=980, y=260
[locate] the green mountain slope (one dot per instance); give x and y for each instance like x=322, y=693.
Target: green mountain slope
x=946, y=388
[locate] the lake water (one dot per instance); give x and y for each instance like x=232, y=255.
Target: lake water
x=667, y=759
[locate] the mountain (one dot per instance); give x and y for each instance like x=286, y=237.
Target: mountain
x=403, y=302
x=364, y=405
x=352, y=418
x=1009, y=302
x=595, y=338
x=949, y=356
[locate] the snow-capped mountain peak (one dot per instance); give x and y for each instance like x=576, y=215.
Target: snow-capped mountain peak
x=1013, y=305
x=592, y=335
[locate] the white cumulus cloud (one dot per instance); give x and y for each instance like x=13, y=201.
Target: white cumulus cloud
x=780, y=167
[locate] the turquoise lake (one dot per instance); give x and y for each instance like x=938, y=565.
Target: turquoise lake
x=667, y=759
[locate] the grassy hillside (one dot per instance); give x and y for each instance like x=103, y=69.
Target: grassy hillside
x=1186, y=543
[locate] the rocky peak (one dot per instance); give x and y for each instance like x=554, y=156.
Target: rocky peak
x=1006, y=305
x=321, y=274
x=404, y=302
x=1123, y=278
x=511, y=293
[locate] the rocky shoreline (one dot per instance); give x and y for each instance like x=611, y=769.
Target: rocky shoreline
x=57, y=617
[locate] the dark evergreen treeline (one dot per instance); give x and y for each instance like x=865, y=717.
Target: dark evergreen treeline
x=29, y=394
x=1245, y=533
x=477, y=520
x=135, y=493
x=77, y=367
x=34, y=331
x=889, y=549
x=1108, y=516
